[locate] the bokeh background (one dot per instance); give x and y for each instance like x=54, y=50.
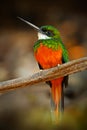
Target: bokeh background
x=29, y=108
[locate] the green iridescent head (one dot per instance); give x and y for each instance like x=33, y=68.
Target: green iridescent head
x=50, y=31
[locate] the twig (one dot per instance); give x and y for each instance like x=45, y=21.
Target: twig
x=45, y=75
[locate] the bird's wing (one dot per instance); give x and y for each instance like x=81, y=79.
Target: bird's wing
x=65, y=59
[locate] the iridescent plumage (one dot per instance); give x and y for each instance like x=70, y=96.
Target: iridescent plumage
x=49, y=53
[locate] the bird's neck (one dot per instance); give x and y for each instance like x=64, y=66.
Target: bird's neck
x=42, y=36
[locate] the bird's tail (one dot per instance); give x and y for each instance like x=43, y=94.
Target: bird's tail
x=57, y=99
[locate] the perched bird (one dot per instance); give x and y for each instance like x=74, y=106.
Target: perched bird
x=49, y=52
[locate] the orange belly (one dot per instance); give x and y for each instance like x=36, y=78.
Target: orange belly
x=48, y=57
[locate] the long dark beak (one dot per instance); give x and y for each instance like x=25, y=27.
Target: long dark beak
x=32, y=25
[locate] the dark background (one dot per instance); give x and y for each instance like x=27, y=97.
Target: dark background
x=29, y=108
x=38, y=11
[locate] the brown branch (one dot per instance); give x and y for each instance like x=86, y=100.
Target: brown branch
x=45, y=75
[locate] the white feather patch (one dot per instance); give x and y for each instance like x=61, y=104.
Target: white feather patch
x=42, y=36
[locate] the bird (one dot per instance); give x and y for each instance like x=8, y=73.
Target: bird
x=50, y=51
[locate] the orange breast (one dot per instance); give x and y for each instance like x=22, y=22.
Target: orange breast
x=47, y=57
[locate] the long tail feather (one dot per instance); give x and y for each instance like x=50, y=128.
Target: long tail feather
x=57, y=101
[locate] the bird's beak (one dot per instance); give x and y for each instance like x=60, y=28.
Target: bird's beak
x=32, y=25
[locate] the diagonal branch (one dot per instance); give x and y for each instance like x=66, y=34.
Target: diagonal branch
x=45, y=75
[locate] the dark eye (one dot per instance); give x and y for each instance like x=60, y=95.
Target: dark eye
x=49, y=33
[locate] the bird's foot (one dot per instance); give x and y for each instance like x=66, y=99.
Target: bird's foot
x=58, y=65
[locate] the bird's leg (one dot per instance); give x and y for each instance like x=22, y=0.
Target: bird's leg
x=58, y=65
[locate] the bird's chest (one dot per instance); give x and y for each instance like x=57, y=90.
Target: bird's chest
x=48, y=57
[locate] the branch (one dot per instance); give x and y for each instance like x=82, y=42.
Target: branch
x=45, y=75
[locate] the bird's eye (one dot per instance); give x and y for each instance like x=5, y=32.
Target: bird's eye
x=49, y=33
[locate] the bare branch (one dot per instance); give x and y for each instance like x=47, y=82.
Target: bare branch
x=45, y=75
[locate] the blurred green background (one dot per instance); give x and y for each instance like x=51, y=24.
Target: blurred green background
x=29, y=108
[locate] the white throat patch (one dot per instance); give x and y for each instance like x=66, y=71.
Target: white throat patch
x=42, y=36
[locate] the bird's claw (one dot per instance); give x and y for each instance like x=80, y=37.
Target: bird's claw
x=58, y=65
